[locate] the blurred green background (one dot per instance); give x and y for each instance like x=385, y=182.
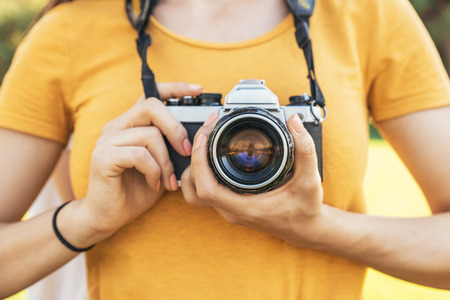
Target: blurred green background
x=384, y=168
x=15, y=16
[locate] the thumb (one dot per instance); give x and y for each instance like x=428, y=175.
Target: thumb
x=305, y=157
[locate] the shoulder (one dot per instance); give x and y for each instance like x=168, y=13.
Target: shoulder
x=366, y=11
x=77, y=26
x=82, y=15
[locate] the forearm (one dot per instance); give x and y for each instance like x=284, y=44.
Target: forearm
x=61, y=177
x=412, y=249
x=30, y=249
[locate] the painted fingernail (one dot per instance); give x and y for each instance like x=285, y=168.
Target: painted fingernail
x=187, y=146
x=297, y=123
x=199, y=142
x=173, y=182
x=210, y=119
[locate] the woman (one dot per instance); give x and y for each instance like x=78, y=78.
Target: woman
x=78, y=69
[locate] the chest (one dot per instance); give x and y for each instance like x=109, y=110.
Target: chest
x=112, y=85
x=221, y=21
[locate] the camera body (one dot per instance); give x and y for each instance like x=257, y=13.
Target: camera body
x=250, y=150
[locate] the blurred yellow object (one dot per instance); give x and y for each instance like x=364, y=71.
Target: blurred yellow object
x=18, y=296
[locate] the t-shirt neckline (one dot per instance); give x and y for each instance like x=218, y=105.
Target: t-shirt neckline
x=284, y=25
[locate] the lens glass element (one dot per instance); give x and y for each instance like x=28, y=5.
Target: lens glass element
x=250, y=151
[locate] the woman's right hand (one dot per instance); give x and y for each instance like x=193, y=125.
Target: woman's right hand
x=130, y=165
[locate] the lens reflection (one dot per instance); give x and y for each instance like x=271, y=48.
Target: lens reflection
x=250, y=151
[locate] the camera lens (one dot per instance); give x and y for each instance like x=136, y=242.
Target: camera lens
x=250, y=150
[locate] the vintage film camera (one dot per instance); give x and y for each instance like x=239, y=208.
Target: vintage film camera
x=250, y=150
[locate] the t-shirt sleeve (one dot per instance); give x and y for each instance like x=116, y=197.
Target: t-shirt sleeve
x=36, y=87
x=407, y=73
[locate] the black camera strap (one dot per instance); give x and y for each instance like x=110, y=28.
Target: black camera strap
x=143, y=41
x=301, y=9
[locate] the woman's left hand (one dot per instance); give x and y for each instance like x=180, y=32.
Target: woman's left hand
x=292, y=212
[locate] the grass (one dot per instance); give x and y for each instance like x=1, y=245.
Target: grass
x=390, y=191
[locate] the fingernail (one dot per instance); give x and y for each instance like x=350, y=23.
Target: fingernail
x=187, y=147
x=173, y=182
x=210, y=119
x=158, y=185
x=196, y=86
x=199, y=142
x=297, y=123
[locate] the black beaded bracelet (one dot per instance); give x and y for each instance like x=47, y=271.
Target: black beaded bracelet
x=61, y=238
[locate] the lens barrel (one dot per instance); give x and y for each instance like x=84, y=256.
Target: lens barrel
x=250, y=150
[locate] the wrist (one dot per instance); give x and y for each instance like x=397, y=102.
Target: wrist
x=60, y=236
x=315, y=231
x=337, y=231
x=75, y=226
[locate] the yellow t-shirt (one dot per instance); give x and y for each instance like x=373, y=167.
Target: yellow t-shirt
x=79, y=68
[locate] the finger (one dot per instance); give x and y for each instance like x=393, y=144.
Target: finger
x=153, y=112
x=141, y=99
x=207, y=187
x=150, y=138
x=111, y=162
x=199, y=163
x=178, y=89
x=210, y=190
x=305, y=162
x=207, y=126
x=189, y=191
